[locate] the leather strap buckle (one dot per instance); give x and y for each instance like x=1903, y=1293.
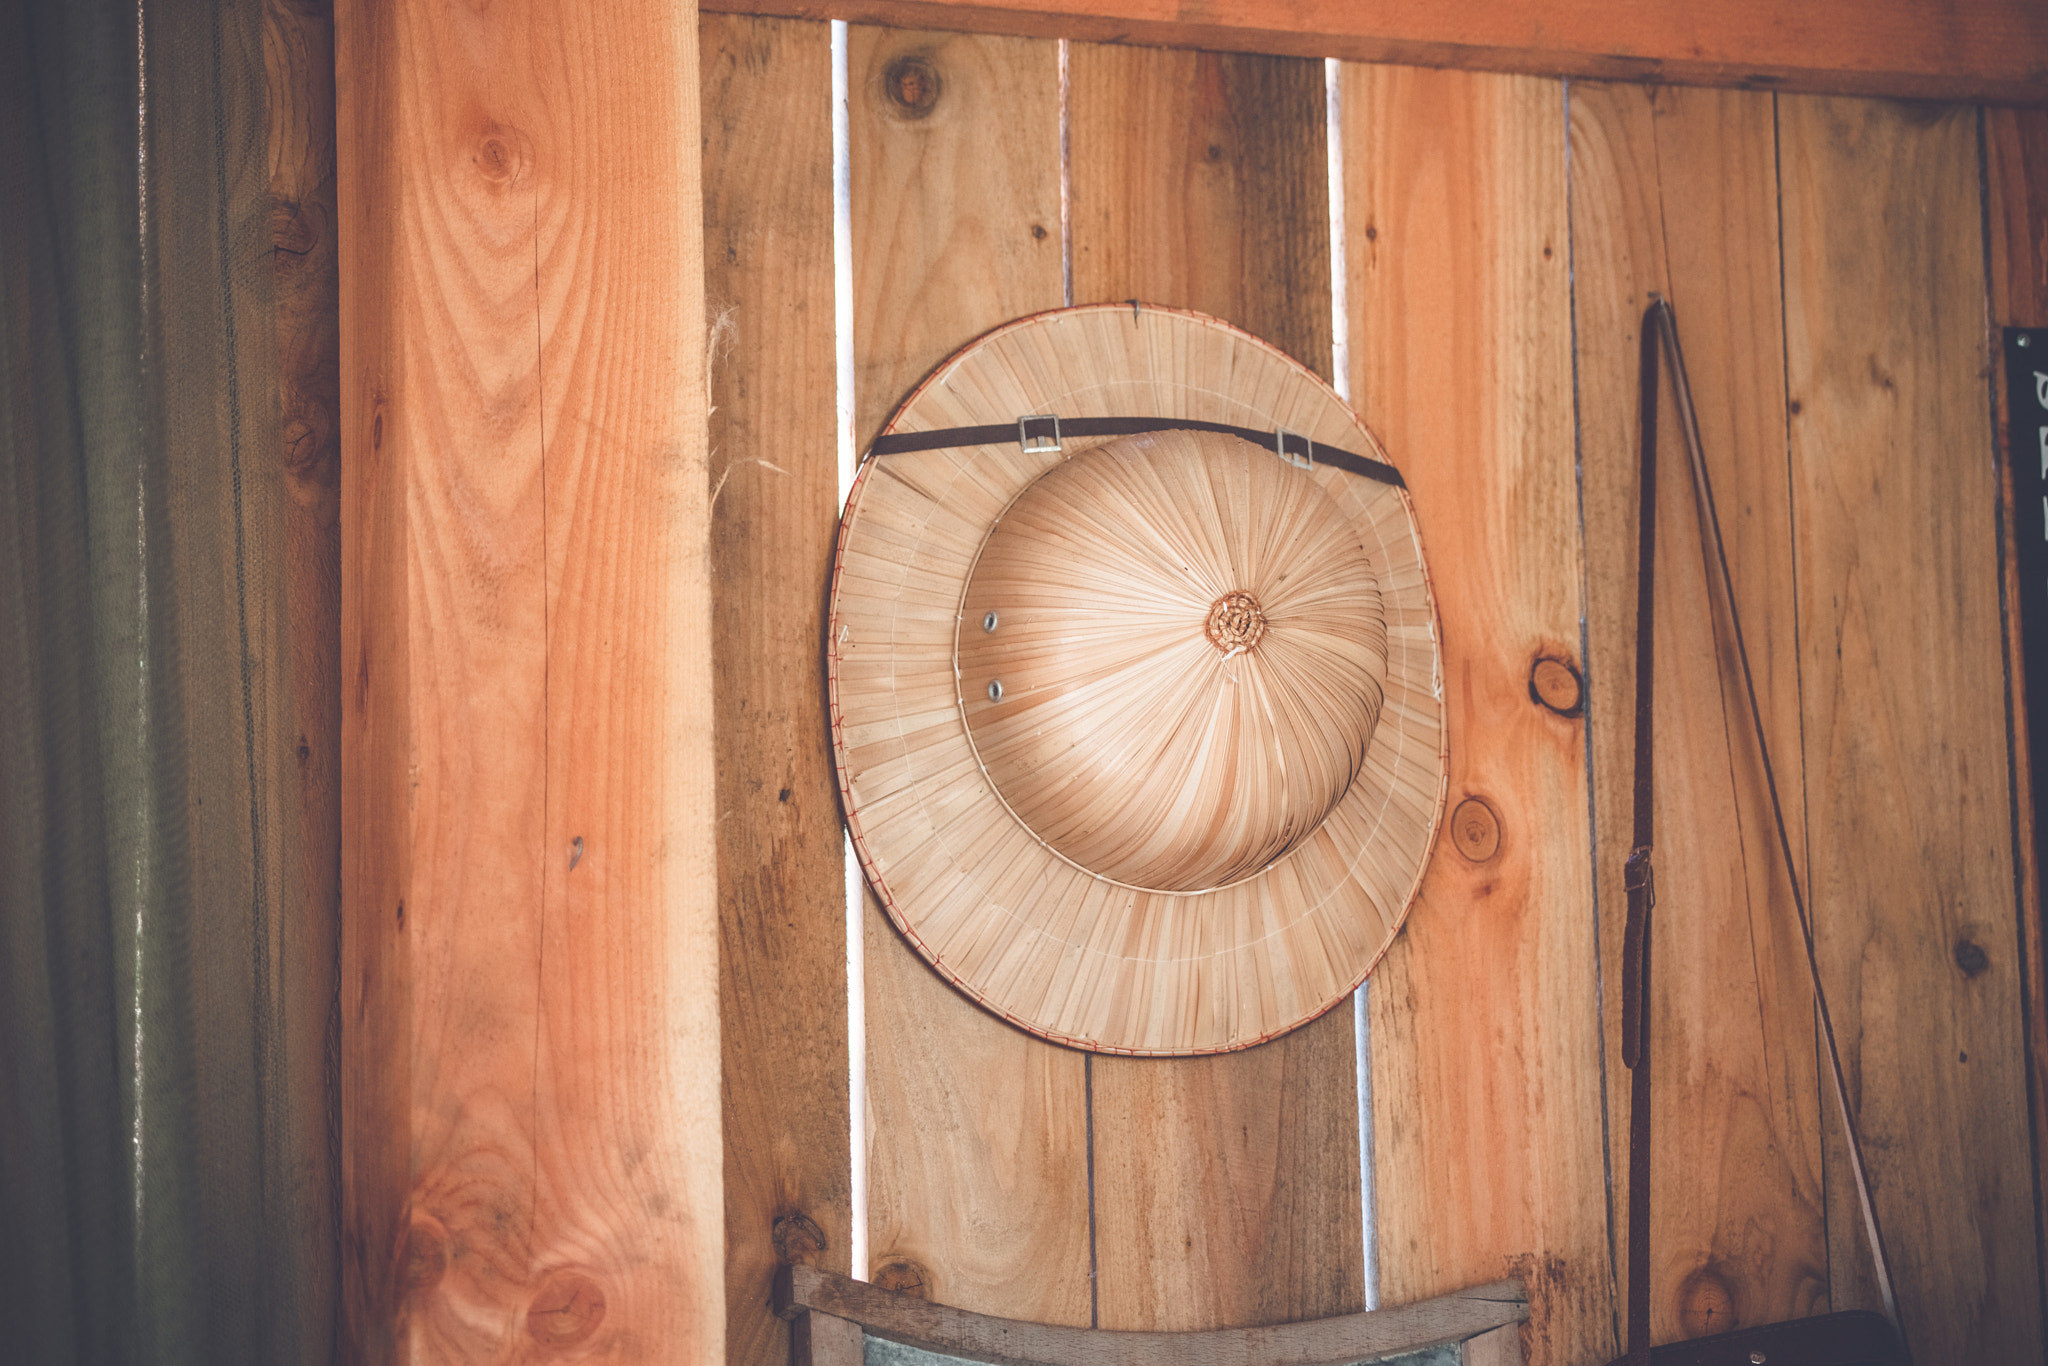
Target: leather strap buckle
x=1296, y=449
x=1039, y=433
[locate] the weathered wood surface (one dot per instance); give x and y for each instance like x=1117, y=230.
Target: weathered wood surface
x=977, y=1133
x=298, y=53
x=1909, y=830
x=1675, y=192
x=1335, y=1340
x=1991, y=50
x=376, y=718
x=1485, y=1017
x=2016, y=203
x=956, y=200
x=1201, y=180
x=529, y=964
x=774, y=476
x=1226, y=1188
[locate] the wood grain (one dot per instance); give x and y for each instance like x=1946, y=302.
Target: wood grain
x=529, y=886
x=1201, y=180
x=774, y=470
x=956, y=200
x=976, y=1132
x=1986, y=51
x=376, y=719
x=1908, y=827
x=298, y=52
x=2016, y=204
x=2016, y=146
x=1226, y=1188
x=1337, y=1340
x=1675, y=191
x=1485, y=1018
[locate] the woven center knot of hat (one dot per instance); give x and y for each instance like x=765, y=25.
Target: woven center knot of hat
x=1172, y=656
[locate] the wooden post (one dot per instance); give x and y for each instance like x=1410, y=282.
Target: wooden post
x=529, y=1003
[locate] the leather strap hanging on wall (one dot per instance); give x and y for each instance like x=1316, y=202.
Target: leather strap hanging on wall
x=1044, y=426
x=1852, y=1337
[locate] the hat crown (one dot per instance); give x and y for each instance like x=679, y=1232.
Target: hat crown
x=1172, y=656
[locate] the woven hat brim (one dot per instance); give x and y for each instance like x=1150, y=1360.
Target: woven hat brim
x=1064, y=954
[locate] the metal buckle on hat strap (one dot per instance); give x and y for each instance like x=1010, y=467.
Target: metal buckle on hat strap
x=1039, y=433
x=1296, y=449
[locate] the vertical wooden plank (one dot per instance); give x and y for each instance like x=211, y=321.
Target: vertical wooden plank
x=1908, y=818
x=956, y=200
x=976, y=1131
x=528, y=843
x=1486, y=1059
x=1226, y=1188
x=2016, y=200
x=377, y=1269
x=767, y=87
x=1675, y=191
x=1201, y=180
x=298, y=51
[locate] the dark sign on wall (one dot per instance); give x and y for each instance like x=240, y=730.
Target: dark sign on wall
x=2026, y=378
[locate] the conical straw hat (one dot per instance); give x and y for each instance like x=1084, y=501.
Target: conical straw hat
x=1141, y=739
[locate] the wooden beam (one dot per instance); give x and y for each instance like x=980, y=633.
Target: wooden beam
x=530, y=992
x=1986, y=50
x=1333, y=1341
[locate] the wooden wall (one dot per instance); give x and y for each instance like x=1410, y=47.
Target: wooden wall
x=1834, y=263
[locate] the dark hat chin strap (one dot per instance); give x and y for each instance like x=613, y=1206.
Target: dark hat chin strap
x=1660, y=332
x=1043, y=432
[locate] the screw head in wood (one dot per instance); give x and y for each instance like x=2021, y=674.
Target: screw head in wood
x=988, y=623
x=1475, y=830
x=995, y=690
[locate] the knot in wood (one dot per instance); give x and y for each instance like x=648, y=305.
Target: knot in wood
x=912, y=84
x=1236, y=622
